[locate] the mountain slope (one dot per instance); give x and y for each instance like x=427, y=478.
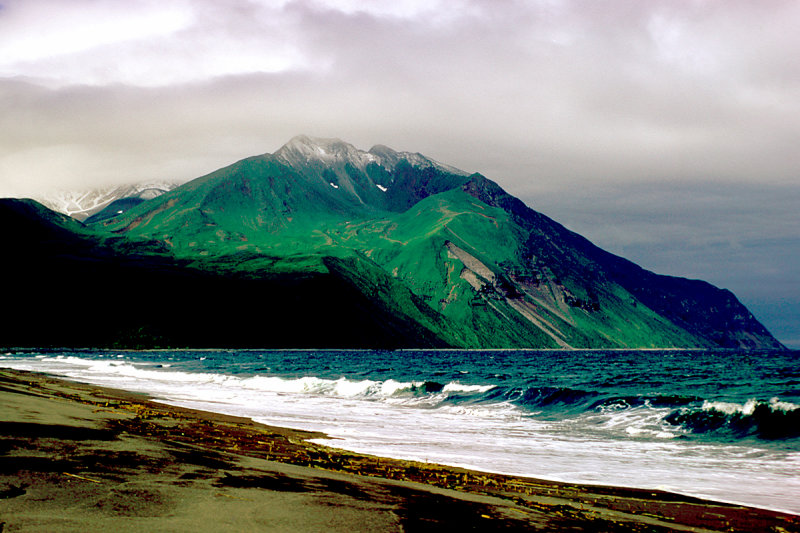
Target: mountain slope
x=69, y=286
x=694, y=306
x=477, y=267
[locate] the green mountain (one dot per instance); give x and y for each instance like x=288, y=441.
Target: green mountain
x=322, y=244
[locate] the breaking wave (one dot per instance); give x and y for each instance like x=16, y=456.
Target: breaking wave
x=766, y=420
x=632, y=415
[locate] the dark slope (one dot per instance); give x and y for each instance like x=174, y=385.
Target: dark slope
x=66, y=287
x=27, y=225
x=696, y=306
x=115, y=208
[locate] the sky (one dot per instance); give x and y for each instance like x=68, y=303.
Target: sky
x=665, y=131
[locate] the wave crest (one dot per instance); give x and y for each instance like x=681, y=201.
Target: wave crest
x=774, y=419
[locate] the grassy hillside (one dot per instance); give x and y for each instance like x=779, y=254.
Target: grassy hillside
x=466, y=262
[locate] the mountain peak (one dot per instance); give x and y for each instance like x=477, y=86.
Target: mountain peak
x=382, y=150
x=329, y=150
x=304, y=149
x=315, y=142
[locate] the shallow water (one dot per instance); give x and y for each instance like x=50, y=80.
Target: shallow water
x=717, y=424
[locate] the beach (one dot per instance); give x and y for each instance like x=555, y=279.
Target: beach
x=78, y=457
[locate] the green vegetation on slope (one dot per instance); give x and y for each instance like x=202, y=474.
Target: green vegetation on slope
x=451, y=258
x=454, y=258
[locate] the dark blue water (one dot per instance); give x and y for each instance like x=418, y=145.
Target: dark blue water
x=700, y=422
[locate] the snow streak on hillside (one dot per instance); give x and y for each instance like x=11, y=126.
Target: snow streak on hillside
x=83, y=204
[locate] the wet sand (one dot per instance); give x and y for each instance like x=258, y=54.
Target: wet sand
x=76, y=457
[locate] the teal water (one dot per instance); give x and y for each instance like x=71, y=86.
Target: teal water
x=719, y=424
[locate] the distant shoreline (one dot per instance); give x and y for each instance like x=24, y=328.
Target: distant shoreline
x=22, y=349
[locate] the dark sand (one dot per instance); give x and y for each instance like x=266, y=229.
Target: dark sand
x=81, y=458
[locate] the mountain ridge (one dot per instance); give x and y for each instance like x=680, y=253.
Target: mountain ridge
x=455, y=258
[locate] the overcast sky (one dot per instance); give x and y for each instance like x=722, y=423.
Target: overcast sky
x=664, y=130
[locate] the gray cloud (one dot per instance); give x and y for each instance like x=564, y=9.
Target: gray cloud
x=745, y=238
x=541, y=94
x=655, y=104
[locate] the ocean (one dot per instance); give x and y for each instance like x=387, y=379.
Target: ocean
x=723, y=425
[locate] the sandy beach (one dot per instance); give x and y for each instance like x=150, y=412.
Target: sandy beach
x=76, y=457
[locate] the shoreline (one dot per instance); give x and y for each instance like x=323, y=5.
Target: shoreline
x=23, y=349
x=151, y=463
x=621, y=487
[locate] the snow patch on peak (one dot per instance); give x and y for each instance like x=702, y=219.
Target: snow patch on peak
x=389, y=159
x=316, y=145
x=303, y=149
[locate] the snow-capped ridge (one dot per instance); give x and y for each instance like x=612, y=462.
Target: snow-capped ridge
x=82, y=204
x=389, y=158
x=303, y=149
x=312, y=155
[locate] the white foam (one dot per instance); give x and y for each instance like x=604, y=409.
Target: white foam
x=776, y=403
x=390, y=418
x=145, y=374
x=749, y=407
x=458, y=387
x=731, y=408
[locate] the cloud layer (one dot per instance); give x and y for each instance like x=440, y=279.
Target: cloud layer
x=540, y=94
